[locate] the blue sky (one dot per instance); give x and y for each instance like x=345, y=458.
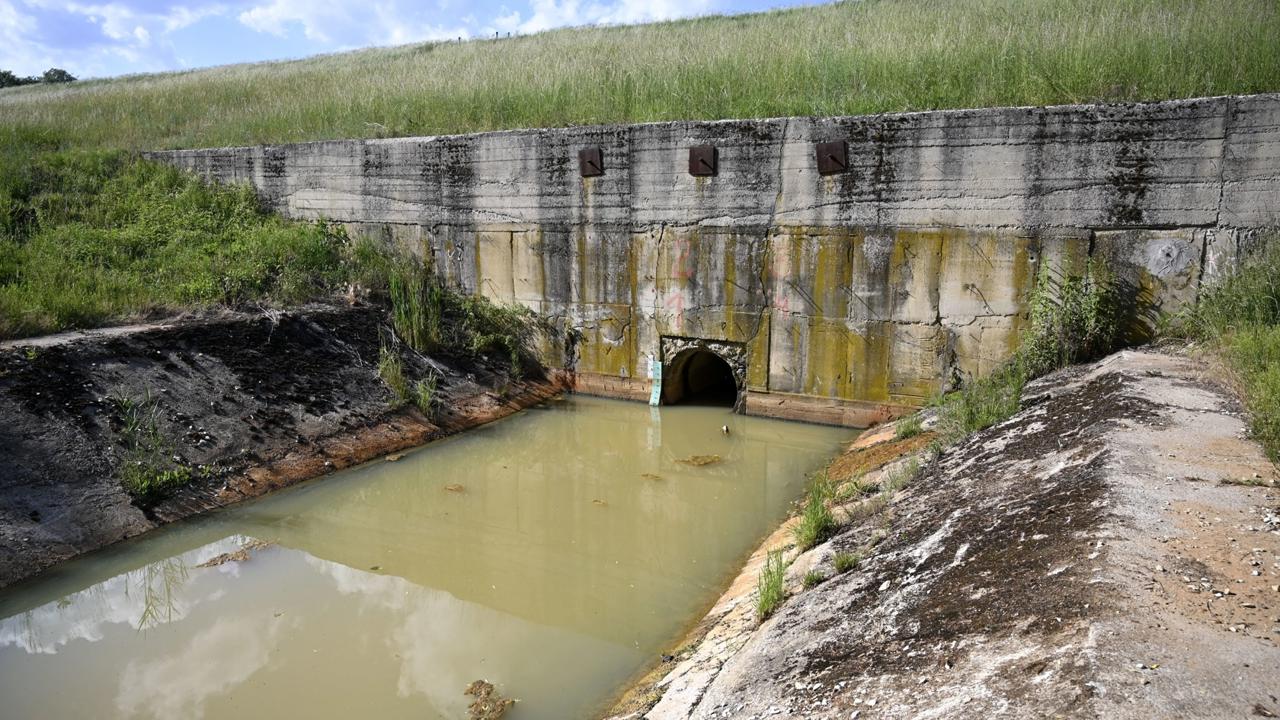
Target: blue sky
x=96, y=38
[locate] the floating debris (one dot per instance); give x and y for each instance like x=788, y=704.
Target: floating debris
x=699, y=460
x=454, y=488
x=237, y=556
x=488, y=704
x=599, y=502
x=396, y=457
x=650, y=476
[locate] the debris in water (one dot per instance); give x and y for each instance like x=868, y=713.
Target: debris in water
x=650, y=476
x=724, y=429
x=395, y=457
x=375, y=568
x=600, y=502
x=488, y=704
x=454, y=488
x=238, y=556
x=699, y=460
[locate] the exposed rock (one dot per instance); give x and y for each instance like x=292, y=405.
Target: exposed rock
x=1016, y=576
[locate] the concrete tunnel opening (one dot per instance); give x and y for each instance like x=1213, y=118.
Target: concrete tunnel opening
x=699, y=377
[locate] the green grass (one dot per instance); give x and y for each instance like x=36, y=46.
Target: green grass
x=771, y=588
x=845, y=561
x=813, y=579
x=817, y=522
x=391, y=370
x=424, y=394
x=1240, y=319
x=839, y=58
x=93, y=237
x=909, y=427
x=145, y=469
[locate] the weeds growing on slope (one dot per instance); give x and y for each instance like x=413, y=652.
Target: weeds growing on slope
x=1074, y=318
x=843, y=561
x=771, y=587
x=90, y=237
x=817, y=522
x=145, y=470
x=1240, y=317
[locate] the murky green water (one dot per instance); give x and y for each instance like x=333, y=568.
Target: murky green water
x=578, y=548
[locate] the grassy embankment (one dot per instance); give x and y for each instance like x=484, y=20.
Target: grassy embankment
x=842, y=58
x=1240, y=320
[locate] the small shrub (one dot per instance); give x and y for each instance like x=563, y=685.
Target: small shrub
x=771, y=586
x=146, y=472
x=417, y=303
x=812, y=579
x=424, y=392
x=909, y=427
x=391, y=370
x=817, y=522
x=149, y=482
x=845, y=561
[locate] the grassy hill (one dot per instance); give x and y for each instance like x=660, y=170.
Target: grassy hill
x=842, y=58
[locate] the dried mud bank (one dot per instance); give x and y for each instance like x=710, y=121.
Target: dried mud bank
x=248, y=402
x=1113, y=550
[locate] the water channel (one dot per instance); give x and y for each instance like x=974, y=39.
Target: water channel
x=554, y=554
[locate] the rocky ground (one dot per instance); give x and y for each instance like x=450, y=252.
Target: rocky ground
x=1113, y=551
x=247, y=402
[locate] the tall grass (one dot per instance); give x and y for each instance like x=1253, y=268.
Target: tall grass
x=839, y=58
x=817, y=522
x=771, y=588
x=93, y=236
x=1241, y=319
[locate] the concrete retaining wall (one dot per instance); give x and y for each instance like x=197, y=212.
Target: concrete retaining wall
x=851, y=295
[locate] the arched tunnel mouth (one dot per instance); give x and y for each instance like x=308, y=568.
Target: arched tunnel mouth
x=699, y=377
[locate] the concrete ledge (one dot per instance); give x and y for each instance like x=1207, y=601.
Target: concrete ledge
x=825, y=411
x=608, y=386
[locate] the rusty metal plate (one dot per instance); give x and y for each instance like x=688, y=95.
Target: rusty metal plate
x=833, y=157
x=702, y=160
x=591, y=161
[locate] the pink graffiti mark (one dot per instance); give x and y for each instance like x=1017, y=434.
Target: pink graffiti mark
x=680, y=267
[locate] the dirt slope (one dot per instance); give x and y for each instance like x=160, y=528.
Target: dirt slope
x=250, y=402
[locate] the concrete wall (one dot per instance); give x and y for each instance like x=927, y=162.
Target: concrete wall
x=845, y=297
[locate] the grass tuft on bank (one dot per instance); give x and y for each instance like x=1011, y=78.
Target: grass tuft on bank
x=1240, y=319
x=839, y=58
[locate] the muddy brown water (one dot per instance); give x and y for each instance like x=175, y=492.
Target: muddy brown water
x=555, y=554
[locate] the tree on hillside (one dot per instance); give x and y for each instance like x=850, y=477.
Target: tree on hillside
x=8, y=79
x=57, y=75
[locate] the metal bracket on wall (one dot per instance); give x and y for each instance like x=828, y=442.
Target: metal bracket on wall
x=833, y=157
x=591, y=161
x=702, y=160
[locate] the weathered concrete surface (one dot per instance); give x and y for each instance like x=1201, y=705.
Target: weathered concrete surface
x=263, y=402
x=862, y=292
x=1089, y=557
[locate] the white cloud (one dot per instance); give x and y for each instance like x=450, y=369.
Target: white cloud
x=547, y=14
x=351, y=23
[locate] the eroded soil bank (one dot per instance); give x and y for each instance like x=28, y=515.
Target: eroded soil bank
x=1113, y=550
x=247, y=402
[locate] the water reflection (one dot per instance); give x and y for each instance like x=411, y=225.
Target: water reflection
x=577, y=548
